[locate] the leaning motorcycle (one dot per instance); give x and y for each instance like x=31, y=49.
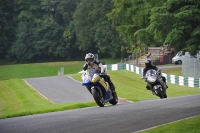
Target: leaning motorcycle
x=99, y=89
x=155, y=82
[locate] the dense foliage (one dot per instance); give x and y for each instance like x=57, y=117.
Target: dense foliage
x=52, y=30
x=154, y=23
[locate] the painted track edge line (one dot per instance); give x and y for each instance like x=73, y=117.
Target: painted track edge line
x=37, y=91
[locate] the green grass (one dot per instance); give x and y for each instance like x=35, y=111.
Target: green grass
x=130, y=86
x=18, y=99
x=39, y=69
x=184, y=126
x=175, y=71
x=44, y=69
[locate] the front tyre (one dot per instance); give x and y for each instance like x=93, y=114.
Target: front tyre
x=114, y=101
x=159, y=93
x=98, y=97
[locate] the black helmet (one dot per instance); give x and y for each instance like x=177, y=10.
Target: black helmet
x=89, y=58
x=148, y=63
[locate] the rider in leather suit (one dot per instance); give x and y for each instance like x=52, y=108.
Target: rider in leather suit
x=148, y=66
x=92, y=63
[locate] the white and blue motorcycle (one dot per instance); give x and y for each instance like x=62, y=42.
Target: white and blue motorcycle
x=99, y=89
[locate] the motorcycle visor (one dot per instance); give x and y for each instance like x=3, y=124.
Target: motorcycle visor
x=89, y=59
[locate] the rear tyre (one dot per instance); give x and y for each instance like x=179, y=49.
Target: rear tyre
x=98, y=97
x=114, y=101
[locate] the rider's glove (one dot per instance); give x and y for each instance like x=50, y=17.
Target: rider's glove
x=145, y=79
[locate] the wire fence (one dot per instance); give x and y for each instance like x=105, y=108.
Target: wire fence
x=191, y=66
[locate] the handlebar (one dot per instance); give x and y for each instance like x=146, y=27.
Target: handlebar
x=143, y=78
x=158, y=71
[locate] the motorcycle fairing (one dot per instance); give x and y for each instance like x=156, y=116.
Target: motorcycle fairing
x=151, y=75
x=95, y=78
x=97, y=83
x=158, y=86
x=106, y=95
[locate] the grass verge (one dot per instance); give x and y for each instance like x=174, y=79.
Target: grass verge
x=39, y=69
x=130, y=86
x=44, y=69
x=18, y=99
x=175, y=71
x=190, y=125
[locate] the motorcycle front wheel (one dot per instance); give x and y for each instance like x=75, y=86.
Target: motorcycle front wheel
x=159, y=93
x=98, y=97
x=114, y=101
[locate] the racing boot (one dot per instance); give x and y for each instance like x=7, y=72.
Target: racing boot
x=164, y=80
x=148, y=88
x=165, y=86
x=111, y=85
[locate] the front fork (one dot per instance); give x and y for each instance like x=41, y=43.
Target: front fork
x=163, y=84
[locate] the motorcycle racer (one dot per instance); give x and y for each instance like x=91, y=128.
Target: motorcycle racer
x=92, y=63
x=148, y=66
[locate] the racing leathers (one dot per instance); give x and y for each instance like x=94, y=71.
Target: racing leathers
x=97, y=66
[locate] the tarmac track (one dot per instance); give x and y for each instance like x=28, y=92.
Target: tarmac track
x=122, y=118
x=60, y=89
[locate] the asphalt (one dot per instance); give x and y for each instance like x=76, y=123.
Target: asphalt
x=60, y=89
x=63, y=89
x=122, y=118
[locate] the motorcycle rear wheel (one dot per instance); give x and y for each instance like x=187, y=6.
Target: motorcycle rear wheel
x=98, y=98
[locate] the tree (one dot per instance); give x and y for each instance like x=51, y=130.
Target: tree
x=7, y=26
x=132, y=19
x=154, y=23
x=177, y=23
x=41, y=31
x=96, y=31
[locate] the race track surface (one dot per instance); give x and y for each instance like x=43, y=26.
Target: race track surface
x=60, y=89
x=122, y=118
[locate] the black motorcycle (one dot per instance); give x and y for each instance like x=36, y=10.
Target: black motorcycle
x=155, y=83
